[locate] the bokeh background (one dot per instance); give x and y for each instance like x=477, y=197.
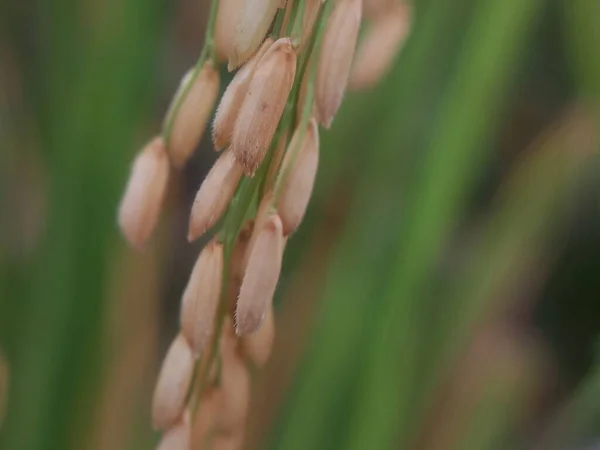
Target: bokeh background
x=442, y=293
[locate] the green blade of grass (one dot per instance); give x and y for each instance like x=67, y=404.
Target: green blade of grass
x=530, y=210
x=583, y=35
x=87, y=117
x=577, y=421
x=354, y=279
x=498, y=34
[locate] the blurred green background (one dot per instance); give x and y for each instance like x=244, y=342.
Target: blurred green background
x=443, y=292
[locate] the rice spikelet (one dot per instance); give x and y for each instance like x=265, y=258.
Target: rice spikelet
x=233, y=441
x=335, y=59
x=253, y=20
x=144, y=194
x=201, y=297
x=235, y=384
x=375, y=9
x=178, y=436
x=264, y=104
x=299, y=176
x=193, y=115
x=173, y=384
x=260, y=279
x=231, y=102
x=204, y=419
x=214, y=195
x=225, y=26
x=257, y=346
x=379, y=47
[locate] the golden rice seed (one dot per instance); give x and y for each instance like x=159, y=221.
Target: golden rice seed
x=214, y=195
x=193, y=115
x=299, y=170
x=225, y=26
x=335, y=59
x=178, y=436
x=257, y=346
x=233, y=441
x=144, y=194
x=254, y=18
x=260, y=279
x=379, y=47
x=173, y=384
x=232, y=99
x=203, y=421
x=378, y=8
x=201, y=297
x=235, y=387
x=264, y=104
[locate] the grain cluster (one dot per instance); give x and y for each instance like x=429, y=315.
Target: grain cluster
x=294, y=61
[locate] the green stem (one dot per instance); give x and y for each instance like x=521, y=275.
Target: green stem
x=209, y=37
x=281, y=134
x=278, y=23
x=293, y=14
x=296, y=32
x=242, y=197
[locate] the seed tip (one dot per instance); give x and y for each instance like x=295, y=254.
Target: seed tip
x=191, y=237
